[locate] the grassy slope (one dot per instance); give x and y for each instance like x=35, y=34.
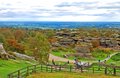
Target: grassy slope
x=8, y=66
x=98, y=56
x=69, y=75
x=115, y=60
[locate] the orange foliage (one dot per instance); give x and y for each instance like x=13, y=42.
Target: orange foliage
x=15, y=45
x=95, y=43
x=19, y=34
x=52, y=39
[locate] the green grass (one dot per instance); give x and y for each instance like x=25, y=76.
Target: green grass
x=69, y=75
x=8, y=66
x=97, y=56
x=59, y=53
x=115, y=60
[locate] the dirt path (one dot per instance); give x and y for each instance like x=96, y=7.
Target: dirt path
x=56, y=58
x=110, y=56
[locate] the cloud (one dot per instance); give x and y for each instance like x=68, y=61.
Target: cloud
x=76, y=4
x=109, y=7
x=60, y=10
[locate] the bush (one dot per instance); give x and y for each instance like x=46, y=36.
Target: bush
x=99, y=53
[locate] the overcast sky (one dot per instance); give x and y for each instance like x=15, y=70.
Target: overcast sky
x=59, y=10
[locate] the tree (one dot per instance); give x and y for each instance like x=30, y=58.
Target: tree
x=40, y=47
x=15, y=46
x=19, y=35
x=95, y=43
x=8, y=34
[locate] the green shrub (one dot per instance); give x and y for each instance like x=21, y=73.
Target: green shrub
x=100, y=54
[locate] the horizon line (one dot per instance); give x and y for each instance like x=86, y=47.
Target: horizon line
x=52, y=21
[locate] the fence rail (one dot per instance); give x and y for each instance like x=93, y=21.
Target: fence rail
x=24, y=72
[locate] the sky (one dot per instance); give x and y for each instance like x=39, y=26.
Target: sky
x=60, y=10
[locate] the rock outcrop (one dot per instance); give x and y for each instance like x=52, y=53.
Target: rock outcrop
x=83, y=51
x=3, y=53
x=23, y=56
x=84, y=43
x=13, y=55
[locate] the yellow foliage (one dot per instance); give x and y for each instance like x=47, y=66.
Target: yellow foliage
x=106, y=49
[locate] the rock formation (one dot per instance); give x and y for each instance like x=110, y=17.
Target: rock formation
x=83, y=51
x=3, y=53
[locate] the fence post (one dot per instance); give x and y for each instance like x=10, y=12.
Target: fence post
x=46, y=68
x=60, y=68
x=81, y=69
x=51, y=69
x=114, y=72
x=105, y=70
x=18, y=73
x=41, y=67
x=99, y=67
x=70, y=68
x=55, y=68
x=93, y=70
x=88, y=64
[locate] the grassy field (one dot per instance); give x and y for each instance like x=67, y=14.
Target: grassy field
x=8, y=66
x=69, y=75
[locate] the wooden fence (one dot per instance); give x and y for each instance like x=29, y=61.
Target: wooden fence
x=24, y=72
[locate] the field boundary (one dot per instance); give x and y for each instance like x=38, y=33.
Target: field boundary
x=101, y=68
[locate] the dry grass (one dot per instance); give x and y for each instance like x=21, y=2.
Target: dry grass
x=69, y=75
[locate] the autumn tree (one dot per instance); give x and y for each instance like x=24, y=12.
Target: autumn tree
x=40, y=47
x=8, y=34
x=19, y=35
x=15, y=46
x=95, y=43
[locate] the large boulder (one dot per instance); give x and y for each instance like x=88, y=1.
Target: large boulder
x=2, y=50
x=66, y=41
x=108, y=42
x=3, y=53
x=83, y=51
x=13, y=55
x=64, y=34
x=23, y=56
x=56, y=44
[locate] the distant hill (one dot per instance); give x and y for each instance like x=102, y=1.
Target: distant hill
x=59, y=25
